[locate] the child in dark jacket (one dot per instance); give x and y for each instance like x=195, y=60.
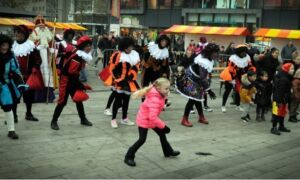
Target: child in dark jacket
x=281, y=97
x=262, y=98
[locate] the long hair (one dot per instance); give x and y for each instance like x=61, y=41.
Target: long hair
x=157, y=84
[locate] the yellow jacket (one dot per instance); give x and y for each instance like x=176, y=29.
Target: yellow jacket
x=247, y=91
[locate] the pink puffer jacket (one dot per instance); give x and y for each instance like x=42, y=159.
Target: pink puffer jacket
x=148, y=115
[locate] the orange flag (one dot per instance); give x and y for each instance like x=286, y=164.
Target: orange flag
x=115, y=8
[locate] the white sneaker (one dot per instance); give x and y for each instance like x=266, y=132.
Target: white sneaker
x=223, y=108
x=114, y=123
x=127, y=122
x=107, y=112
x=192, y=112
x=208, y=109
x=239, y=108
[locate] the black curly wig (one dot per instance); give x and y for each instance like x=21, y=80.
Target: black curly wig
x=22, y=29
x=163, y=37
x=67, y=32
x=209, y=50
x=125, y=43
x=4, y=58
x=240, y=49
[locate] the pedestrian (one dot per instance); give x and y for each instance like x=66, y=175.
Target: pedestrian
x=9, y=88
x=295, y=99
x=239, y=63
x=125, y=74
x=281, y=97
x=148, y=118
x=247, y=93
x=193, y=84
x=262, y=97
x=29, y=59
x=287, y=51
x=104, y=45
x=70, y=84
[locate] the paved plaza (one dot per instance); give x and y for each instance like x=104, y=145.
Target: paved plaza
x=239, y=150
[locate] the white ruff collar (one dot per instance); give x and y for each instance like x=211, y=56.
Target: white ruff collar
x=240, y=62
x=85, y=56
x=204, y=62
x=23, y=49
x=133, y=58
x=156, y=52
x=64, y=43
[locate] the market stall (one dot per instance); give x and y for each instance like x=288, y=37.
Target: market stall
x=220, y=35
x=279, y=37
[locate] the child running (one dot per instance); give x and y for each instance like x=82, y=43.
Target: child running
x=148, y=117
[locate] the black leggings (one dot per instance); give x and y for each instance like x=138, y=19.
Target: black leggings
x=121, y=100
x=60, y=106
x=189, y=106
x=166, y=147
x=111, y=99
x=260, y=110
x=228, y=88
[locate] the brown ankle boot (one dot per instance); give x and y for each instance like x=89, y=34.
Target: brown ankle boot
x=186, y=122
x=202, y=119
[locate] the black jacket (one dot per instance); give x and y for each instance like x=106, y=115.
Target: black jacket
x=282, y=87
x=268, y=64
x=262, y=96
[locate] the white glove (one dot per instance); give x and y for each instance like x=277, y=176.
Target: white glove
x=52, y=50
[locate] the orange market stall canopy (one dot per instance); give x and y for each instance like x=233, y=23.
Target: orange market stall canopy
x=279, y=37
x=13, y=22
x=220, y=35
x=60, y=25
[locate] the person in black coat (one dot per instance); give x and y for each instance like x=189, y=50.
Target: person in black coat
x=281, y=97
x=104, y=44
x=262, y=99
x=268, y=62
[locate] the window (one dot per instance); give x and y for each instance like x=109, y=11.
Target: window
x=159, y=4
x=221, y=18
x=272, y=3
x=238, y=4
x=178, y=3
x=206, y=18
x=291, y=4
x=130, y=4
x=223, y=3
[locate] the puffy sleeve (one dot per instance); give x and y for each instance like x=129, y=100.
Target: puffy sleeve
x=15, y=66
x=154, y=111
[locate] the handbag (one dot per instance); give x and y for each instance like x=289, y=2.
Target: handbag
x=80, y=96
x=35, y=80
x=104, y=74
x=225, y=74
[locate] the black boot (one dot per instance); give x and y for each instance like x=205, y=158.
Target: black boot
x=172, y=154
x=129, y=162
x=30, y=117
x=284, y=129
x=275, y=131
x=293, y=119
x=248, y=117
x=86, y=122
x=12, y=135
x=54, y=125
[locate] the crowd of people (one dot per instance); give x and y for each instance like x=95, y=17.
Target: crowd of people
x=256, y=78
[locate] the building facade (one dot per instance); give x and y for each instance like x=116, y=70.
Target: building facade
x=240, y=13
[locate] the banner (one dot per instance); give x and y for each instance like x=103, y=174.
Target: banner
x=115, y=8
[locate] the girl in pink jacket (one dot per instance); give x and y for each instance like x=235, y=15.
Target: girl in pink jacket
x=148, y=117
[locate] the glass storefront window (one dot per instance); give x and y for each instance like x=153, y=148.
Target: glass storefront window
x=221, y=18
x=223, y=4
x=130, y=4
x=291, y=4
x=206, y=18
x=159, y=4
x=209, y=3
x=238, y=4
x=178, y=3
x=192, y=3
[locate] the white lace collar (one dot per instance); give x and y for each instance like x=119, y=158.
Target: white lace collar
x=133, y=58
x=240, y=62
x=64, y=43
x=204, y=62
x=85, y=56
x=156, y=52
x=23, y=49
